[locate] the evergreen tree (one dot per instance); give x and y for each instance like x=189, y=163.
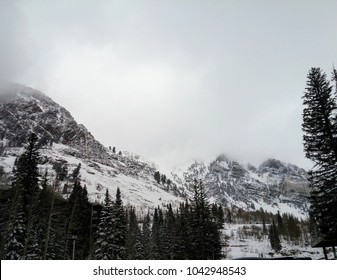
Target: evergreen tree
x=157, y=177
x=229, y=216
x=119, y=228
x=78, y=223
x=38, y=230
x=170, y=227
x=46, y=206
x=168, y=183
x=280, y=224
x=34, y=248
x=25, y=189
x=61, y=169
x=16, y=230
x=313, y=227
x=206, y=237
x=26, y=173
x=184, y=248
x=105, y=235
x=133, y=244
x=294, y=231
x=275, y=242
x=76, y=172
x=84, y=216
x=320, y=145
x=156, y=241
x=318, y=126
x=264, y=228
x=200, y=212
x=218, y=215
x=163, y=179
x=146, y=237
x=49, y=232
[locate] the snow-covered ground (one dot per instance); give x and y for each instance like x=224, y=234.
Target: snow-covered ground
x=260, y=247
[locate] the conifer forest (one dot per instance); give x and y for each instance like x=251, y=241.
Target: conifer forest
x=38, y=223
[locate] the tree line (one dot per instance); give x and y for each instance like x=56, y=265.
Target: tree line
x=192, y=231
x=37, y=223
x=276, y=227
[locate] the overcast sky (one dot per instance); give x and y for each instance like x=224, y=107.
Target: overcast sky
x=175, y=80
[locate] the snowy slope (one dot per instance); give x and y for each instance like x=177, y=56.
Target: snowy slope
x=141, y=191
x=242, y=246
x=273, y=186
x=24, y=110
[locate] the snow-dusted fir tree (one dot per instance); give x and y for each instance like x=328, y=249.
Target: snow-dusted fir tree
x=205, y=236
x=170, y=226
x=77, y=222
x=105, y=234
x=157, y=242
x=280, y=225
x=16, y=230
x=24, y=193
x=146, y=237
x=26, y=174
x=274, y=238
x=34, y=248
x=119, y=228
x=133, y=243
x=320, y=146
x=184, y=248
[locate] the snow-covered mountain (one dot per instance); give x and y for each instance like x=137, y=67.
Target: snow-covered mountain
x=273, y=186
x=65, y=144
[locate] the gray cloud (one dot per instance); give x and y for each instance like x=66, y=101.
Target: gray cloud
x=175, y=80
x=12, y=52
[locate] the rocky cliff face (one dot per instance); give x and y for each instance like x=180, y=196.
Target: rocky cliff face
x=274, y=185
x=24, y=110
x=65, y=143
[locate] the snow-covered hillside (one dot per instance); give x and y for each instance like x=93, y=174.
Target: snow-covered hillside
x=248, y=241
x=66, y=143
x=138, y=189
x=273, y=186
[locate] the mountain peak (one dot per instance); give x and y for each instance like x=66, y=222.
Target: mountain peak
x=223, y=157
x=24, y=110
x=65, y=144
x=273, y=164
x=13, y=92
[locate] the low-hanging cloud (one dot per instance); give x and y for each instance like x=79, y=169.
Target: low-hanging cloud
x=12, y=52
x=174, y=81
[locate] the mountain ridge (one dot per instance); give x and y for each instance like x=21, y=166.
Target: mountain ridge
x=273, y=185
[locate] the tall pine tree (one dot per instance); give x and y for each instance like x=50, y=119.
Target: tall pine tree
x=16, y=230
x=24, y=195
x=119, y=228
x=78, y=223
x=320, y=145
x=146, y=237
x=104, y=239
x=133, y=243
x=206, y=241
x=274, y=238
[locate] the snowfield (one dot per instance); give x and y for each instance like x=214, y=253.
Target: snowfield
x=253, y=247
